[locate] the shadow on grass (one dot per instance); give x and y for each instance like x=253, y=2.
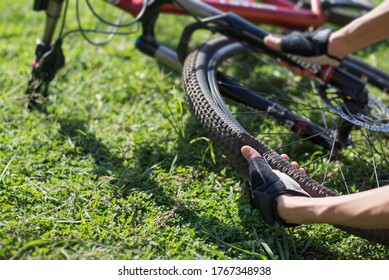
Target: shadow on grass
x=232, y=240
x=88, y=144
x=139, y=176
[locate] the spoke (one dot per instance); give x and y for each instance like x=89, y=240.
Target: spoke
x=342, y=174
x=271, y=81
x=329, y=159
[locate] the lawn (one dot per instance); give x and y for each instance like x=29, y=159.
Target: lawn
x=118, y=168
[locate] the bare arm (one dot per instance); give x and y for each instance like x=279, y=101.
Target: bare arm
x=368, y=209
x=362, y=32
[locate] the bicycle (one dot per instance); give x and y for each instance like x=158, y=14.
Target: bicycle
x=208, y=80
x=286, y=13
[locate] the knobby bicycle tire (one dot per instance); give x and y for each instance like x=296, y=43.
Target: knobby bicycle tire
x=224, y=130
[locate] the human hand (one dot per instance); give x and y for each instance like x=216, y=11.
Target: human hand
x=294, y=163
x=311, y=48
x=265, y=184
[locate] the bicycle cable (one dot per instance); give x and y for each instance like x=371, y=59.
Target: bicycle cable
x=63, y=19
x=83, y=33
x=111, y=33
x=99, y=17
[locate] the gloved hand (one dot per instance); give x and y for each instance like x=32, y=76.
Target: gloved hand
x=310, y=47
x=265, y=184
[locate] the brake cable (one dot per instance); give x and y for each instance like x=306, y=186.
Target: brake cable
x=111, y=33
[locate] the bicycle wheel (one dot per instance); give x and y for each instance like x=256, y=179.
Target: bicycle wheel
x=223, y=79
x=340, y=12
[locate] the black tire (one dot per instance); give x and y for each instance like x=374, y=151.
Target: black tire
x=229, y=135
x=343, y=12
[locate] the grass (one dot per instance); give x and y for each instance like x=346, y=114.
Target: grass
x=117, y=168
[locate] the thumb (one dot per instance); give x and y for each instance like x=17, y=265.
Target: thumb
x=249, y=153
x=273, y=41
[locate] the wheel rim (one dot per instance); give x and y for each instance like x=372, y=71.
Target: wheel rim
x=361, y=165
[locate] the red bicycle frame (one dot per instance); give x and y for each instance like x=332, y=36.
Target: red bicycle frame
x=276, y=12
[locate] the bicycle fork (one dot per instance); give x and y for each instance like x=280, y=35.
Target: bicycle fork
x=48, y=58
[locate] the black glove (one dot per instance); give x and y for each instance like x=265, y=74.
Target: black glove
x=310, y=47
x=265, y=184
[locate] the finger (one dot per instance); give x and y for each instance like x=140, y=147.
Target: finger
x=308, y=74
x=296, y=165
x=273, y=41
x=285, y=157
x=299, y=71
x=249, y=153
x=295, y=69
